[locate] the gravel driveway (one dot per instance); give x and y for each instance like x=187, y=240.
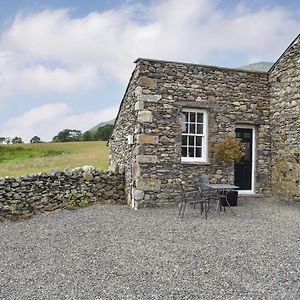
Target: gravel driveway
x=112, y=252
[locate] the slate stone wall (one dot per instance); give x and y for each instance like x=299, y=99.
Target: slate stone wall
x=120, y=151
x=285, y=122
x=22, y=197
x=158, y=92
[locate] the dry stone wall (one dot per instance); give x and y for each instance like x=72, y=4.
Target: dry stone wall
x=22, y=197
x=285, y=122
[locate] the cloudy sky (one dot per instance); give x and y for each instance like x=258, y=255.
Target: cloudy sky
x=66, y=63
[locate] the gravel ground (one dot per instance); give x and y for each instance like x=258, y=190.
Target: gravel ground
x=112, y=252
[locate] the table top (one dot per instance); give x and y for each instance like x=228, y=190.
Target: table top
x=221, y=186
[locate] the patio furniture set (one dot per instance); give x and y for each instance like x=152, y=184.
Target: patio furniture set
x=208, y=195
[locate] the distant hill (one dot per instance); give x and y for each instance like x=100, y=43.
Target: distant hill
x=102, y=124
x=260, y=66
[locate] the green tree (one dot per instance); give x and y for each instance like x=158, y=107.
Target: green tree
x=17, y=140
x=87, y=136
x=67, y=135
x=2, y=139
x=35, y=140
x=103, y=133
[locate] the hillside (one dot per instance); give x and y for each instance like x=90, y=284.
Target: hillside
x=259, y=66
x=26, y=159
x=102, y=124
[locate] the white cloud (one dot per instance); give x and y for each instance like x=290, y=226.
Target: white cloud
x=51, y=51
x=39, y=78
x=111, y=40
x=47, y=120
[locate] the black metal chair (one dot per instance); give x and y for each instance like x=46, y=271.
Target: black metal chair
x=209, y=194
x=193, y=198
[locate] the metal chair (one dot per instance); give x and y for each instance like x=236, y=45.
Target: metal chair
x=209, y=194
x=192, y=198
x=212, y=196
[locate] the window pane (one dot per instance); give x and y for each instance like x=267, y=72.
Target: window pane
x=192, y=128
x=193, y=137
x=191, y=152
x=200, y=128
x=191, y=140
x=199, y=140
x=199, y=117
x=199, y=152
x=192, y=117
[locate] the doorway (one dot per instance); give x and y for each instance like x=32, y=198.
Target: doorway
x=244, y=170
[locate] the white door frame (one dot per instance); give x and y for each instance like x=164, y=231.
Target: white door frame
x=253, y=167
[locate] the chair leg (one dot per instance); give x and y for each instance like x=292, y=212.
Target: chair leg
x=205, y=209
x=179, y=208
x=183, y=210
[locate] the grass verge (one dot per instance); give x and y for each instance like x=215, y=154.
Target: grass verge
x=27, y=159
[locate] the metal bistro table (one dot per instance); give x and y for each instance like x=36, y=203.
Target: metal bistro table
x=222, y=190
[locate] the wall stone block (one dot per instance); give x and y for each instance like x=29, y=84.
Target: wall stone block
x=145, y=81
x=148, y=184
x=149, y=98
x=139, y=105
x=147, y=159
x=145, y=116
x=147, y=139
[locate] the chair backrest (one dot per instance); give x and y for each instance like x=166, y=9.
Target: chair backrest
x=201, y=192
x=204, y=179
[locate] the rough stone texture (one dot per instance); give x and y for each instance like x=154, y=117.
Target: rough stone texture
x=285, y=122
x=147, y=139
x=145, y=116
x=145, y=81
x=121, y=154
x=150, y=159
x=24, y=196
x=231, y=98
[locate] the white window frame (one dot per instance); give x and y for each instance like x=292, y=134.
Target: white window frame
x=204, y=135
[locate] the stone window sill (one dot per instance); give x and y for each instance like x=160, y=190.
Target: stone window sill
x=195, y=163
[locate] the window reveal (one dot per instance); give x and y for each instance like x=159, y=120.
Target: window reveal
x=193, y=135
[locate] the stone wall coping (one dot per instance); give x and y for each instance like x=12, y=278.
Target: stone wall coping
x=235, y=70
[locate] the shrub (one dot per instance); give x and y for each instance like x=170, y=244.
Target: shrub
x=230, y=150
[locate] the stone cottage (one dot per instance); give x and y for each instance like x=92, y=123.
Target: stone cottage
x=173, y=114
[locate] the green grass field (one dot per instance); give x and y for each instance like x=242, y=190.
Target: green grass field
x=27, y=159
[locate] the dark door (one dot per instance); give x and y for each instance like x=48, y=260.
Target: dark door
x=243, y=169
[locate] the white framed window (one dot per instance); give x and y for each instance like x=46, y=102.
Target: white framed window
x=194, y=135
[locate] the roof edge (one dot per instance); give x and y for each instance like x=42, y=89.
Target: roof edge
x=122, y=101
x=284, y=52
x=199, y=65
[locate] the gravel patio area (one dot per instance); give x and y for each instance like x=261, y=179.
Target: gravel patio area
x=112, y=252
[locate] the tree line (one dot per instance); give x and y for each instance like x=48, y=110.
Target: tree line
x=103, y=133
